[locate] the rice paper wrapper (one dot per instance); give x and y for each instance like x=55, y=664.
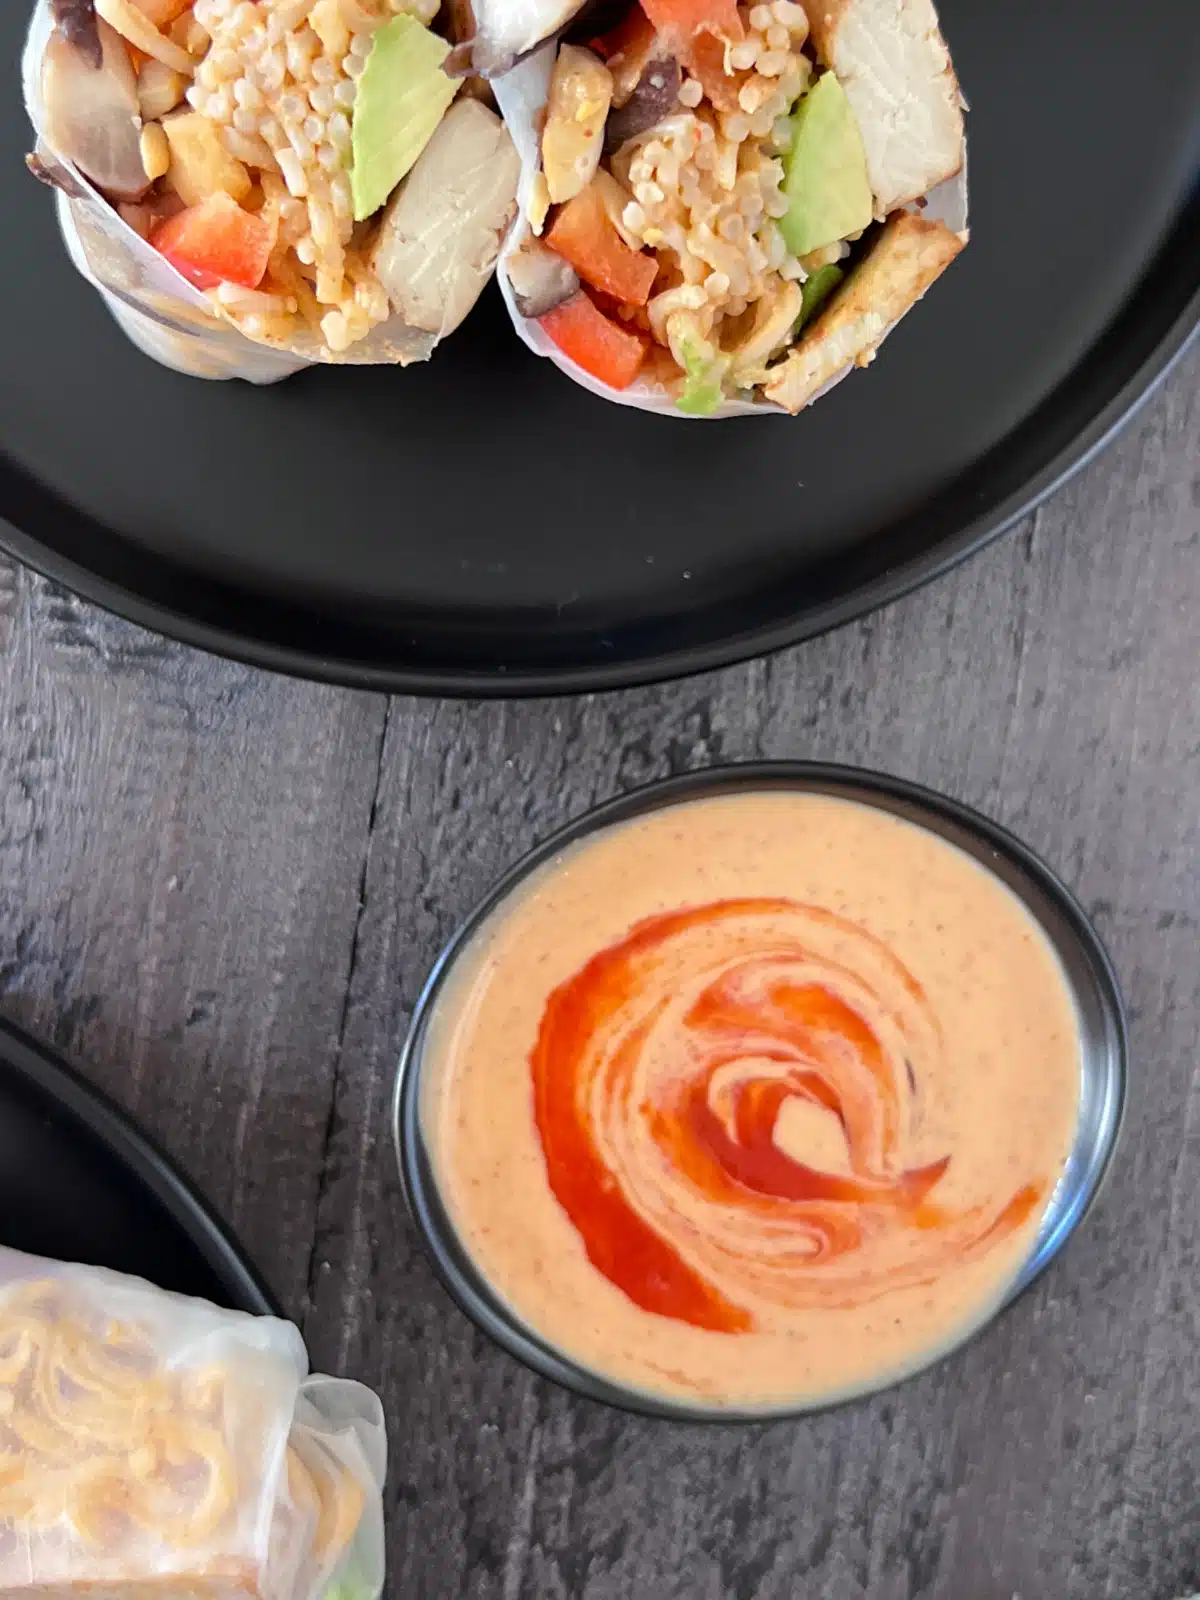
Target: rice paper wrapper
x=161, y=312
x=153, y=1443
x=522, y=95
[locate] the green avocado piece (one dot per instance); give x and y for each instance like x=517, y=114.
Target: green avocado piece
x=346, y=1590
x=705, y=368
x=825, y=172
x=402, y=96
x=348, y=1584
x=815, y=290
x=701, y=394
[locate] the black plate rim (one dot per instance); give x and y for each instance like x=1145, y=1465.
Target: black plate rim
x=464, y=1282
x=1105, y=423
x=135, y=1152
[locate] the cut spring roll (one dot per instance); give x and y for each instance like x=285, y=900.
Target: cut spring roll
x=282, y=156
x=726, y=206
x=157, y=1446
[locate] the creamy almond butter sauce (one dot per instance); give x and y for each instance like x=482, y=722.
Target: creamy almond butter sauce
x=757, y=1099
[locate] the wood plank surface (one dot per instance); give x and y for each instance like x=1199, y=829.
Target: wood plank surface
x=181, y=847
x=220, y=893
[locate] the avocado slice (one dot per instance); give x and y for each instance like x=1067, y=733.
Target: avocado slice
x=402, y=96
x=815, y=290
x=705, y=367
x=825, y=172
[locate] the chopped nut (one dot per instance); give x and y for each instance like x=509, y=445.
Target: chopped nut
x=156, y=152
x=539, y=202
x=200, y=163
x=580, y=95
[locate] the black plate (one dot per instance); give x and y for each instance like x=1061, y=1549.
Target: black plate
x=484, y=525
x=78, y=1182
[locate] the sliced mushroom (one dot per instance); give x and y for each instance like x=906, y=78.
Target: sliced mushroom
x=509, y=29
x=92, y=116
x=42, y=165
x=540, y=279
x=576, y=110
x=638, y=46
x=459, y=18
x=76, y=20
x=441, y=231
x=460, y=61
x=654, y=97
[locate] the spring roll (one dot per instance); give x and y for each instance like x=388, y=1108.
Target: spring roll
x=152, y=1445
x=725, y=207
x=263, y=166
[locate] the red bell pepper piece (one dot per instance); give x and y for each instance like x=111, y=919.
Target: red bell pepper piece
x=216, y=242
x=594, y=342
x=583, y=234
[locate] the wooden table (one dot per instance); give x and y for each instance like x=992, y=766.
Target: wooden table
x=220, y=892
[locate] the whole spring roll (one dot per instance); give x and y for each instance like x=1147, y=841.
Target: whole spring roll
x=262, y=169
x=152, y=1445
x=725, y=207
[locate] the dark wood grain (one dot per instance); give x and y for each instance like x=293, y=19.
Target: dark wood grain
x=180, y=858
x=221, y=892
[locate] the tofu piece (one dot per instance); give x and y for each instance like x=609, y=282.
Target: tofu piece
x=909, y=254
x=443, y=227
x=892, y=61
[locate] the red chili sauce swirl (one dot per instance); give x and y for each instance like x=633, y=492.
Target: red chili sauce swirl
x=661, y=1071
